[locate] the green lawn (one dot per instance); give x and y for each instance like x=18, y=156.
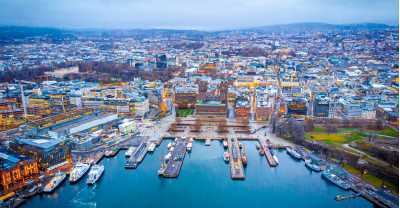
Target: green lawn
x=387, y=131
x=184, y=112
x=335, y=138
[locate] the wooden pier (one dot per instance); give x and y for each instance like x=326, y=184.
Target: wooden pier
x=268, y=155
x=137, y=156
x=236, y=166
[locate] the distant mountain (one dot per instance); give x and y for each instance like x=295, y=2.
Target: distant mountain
x=12, y=32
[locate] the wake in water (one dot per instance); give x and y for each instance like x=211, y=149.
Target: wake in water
x=85, y=197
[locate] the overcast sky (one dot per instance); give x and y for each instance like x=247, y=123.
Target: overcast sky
x=192, y=14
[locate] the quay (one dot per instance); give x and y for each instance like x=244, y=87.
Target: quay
x=172, y=164
x=268, y=155
x=236, y=165
x=137, y=156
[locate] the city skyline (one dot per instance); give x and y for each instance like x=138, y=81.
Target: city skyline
x=176, y=14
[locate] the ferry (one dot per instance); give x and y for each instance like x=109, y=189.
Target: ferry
x=225, y=143
x=335, y=180
x=309, y=164
x=189, y=146
x=54, y=182
x=226, y=156
x=130, y=151
x=151, y=147
x=292, y=152
x=96, y=171
x=208, y=142
x=78, y=171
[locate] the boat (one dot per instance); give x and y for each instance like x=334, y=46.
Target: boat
x=261, y=151
x=189, y=146
x=276, y=159
x=243, y=155
x=151, y=147
x=54, y=182
x=169, y=145
x=225, y=143
x=257, y=146
x=111, y=152
x=226, y=156
x=96, y=171
x=335, y=180
x=240, y=145
x=309, y=164
x=78, y=171
x=208, y=142
x=130, y=151
x=293, y=153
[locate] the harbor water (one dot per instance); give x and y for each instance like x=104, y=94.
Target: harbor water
x=204, y=181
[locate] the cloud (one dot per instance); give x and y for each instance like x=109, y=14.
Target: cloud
x=204, y=14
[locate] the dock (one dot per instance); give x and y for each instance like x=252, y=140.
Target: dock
x=235, y=161
x=171, y=166
x=137, y=156
x=342, y=197
x=268, y=155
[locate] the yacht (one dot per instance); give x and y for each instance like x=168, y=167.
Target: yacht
x=54, y=182
x=78, y=171
x=151, y=147
x=96, y=171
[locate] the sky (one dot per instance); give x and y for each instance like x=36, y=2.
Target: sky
x=193, y=14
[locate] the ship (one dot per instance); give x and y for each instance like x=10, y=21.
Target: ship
x=309, y=164
x=96, y=171
x=328, y=175
x=293, y=153
x=54, y=182
x=78, y=171
x=189, y=146
x=226, y=156
x=129, y=152
x=151, y=147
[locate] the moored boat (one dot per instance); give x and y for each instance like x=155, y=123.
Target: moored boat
x=151, y=147
x=226, y=156
x=54, y=182
x=309, y=164
x=293, y=153
x=96, y=171
x=335, y=180
x=225, y=143
x=129, y=152
x=276, y=159
x=208, y=142
x=78, y=171
x=189, y=146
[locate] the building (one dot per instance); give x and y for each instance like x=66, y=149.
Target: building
x=211, y=108
x=242, y=107
x=46, y=151
x=61, y=72
x=16, y=171
x=321, y=105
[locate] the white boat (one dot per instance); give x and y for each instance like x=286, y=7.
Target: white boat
x=226, y=156
x=129, y=152
x=78, y=171
x=189, y=146
x=54, y=182
x=168, y=156
x=225, y=143
x=151, y=147
x=96, y=171
x=276, y=159
x=309, y=164
x=169, y=145
x=292, y=152
x=208, y=142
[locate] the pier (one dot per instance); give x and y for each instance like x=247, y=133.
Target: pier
x=171, y=165
x=268, y=155
x=235, y=160
x=137, y=156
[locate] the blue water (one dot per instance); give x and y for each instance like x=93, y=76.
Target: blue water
x=204, y=181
